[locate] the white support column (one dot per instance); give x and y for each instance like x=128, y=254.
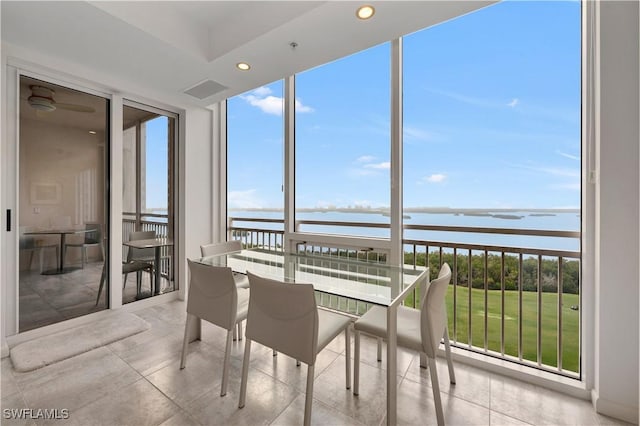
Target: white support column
x=289, y=160
x=219, y=174
x=115, y=226
x=396, y=257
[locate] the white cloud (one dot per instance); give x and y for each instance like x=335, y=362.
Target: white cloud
x=569, y=156
x=365, y=159
x=379, y=166
x=271, y=104
x=244, y=199
x=302, y=108
x=435, y=178
x=553, y=171
x=513, y=103
x=415, y=133
x=262, y=91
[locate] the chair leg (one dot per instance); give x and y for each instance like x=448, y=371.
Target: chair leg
x=245, y=373
x=423, y=360
x=356, y=362
x=433, y=372
x=275, y=353
x=225, y=367
x=298, y=363
x=124, y=282
x=379, y=349
x=308, y=399
x=103, y=279
x=185, y=342
x=138, y=282
x=31, y=259
x=239, y=330
x=447, y=350
x=347, y=341
x=41, y=255
x=235, y=334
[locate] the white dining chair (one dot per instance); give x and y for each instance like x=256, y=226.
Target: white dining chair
x=418, y=329
x=285, y=317
x=91, y=238
x=214, y=297
x=242, y=281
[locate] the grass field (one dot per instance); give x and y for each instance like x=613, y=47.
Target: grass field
x=570, y=324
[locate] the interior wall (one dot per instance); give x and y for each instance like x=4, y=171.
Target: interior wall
x=617, y=213
x=68, y=157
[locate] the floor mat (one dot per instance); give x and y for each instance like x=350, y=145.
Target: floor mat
x=56, y=347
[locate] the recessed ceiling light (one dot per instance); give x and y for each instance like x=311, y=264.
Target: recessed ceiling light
x=243, y=66
x=93, y=132
x=365, y=12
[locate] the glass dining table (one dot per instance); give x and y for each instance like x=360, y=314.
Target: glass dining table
x=359, y=280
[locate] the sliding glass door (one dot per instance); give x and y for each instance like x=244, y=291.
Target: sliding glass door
x=63, y=203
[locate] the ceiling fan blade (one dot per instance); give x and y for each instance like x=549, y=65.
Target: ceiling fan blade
x=76, y=108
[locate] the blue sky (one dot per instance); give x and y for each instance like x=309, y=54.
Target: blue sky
x=157, y=163
x=491, y=119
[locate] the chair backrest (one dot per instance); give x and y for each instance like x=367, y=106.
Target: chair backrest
x=219, y=248
x=94, y=233
x=60, y=222
x=284, y=317
x=147, y=253
x=212, y=294
x=433, y=311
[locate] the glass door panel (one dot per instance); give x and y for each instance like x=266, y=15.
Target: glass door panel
x=63, y=203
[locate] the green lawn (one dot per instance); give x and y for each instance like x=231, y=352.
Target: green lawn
x=570, y=324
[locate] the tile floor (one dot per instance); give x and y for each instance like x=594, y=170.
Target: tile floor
x=137, y=381
x=48, y=299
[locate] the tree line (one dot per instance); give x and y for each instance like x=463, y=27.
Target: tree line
x=548, y=271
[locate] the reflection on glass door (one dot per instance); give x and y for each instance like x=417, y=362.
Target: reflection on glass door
x=63, y=203
x=148, y=202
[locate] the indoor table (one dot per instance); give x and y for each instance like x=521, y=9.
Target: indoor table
x=63, y=236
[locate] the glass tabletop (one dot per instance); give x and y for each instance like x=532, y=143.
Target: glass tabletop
x=360, y=280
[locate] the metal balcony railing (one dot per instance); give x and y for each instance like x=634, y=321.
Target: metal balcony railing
x=515, y=303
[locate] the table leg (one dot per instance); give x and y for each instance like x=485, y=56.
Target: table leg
x=392, y=343
x=157, y=271
x=62, y=240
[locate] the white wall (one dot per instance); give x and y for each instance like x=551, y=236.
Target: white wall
x=617, y=219
x=196, y=186
x=61, y=155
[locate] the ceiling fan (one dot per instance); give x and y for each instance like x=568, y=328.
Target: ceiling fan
x=41, y=99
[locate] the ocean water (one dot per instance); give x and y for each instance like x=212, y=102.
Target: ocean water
x=565, y=220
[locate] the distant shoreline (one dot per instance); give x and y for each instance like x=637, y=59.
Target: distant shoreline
x=433, y=210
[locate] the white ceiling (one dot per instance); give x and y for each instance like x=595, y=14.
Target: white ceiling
x=170, y=46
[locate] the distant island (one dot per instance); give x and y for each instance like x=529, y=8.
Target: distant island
x=501, y=213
